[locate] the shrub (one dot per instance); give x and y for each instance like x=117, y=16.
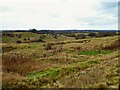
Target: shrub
x=80, y=36
x=33, y=30
x=18, y=41
x=92, y=34
x=103, y=34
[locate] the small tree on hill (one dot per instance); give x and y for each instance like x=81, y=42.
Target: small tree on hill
x=33, y=30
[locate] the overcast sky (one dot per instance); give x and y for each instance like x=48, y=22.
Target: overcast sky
x=58, y=14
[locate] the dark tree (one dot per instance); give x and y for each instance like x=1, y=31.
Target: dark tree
x=92, y=34
x=80, y=36
x=33, y=30
x=104, y=34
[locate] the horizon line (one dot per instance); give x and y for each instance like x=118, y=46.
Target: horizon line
x=57, y=29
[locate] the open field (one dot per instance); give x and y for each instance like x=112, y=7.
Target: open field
x=32, y=60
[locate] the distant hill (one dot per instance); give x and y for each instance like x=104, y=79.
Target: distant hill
x=60, y=31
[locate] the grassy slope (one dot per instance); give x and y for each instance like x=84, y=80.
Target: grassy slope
x=48, y=38
x=77, y=64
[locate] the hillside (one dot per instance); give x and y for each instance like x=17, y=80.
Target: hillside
x=60, y=60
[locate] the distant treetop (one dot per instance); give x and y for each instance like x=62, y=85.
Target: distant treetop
x=33, y=30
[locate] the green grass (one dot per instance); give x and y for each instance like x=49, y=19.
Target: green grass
x=28, y=35
x=94, y=52
x=59, y=72
x=9, y=39
x=88, y=52
x=52, y=72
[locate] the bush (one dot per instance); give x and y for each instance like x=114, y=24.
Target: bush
x=92, y=34
x=18, y=41
x=33, y=30
x=104, y=34
x=80, y=36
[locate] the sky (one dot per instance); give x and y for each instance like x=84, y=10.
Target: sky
x=59, y=14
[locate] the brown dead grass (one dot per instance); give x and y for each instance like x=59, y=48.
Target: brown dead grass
x=21, y=64
x=114, y=45
x=18, y=63
x=9, y=79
